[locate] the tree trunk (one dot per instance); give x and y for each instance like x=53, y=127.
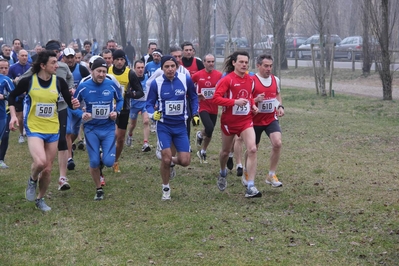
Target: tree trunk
x=105, y=19
x=366, y=41
x=384, y=71
x=121, y=18
x=65, y=28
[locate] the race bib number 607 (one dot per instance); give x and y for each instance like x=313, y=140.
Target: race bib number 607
x=100, y=111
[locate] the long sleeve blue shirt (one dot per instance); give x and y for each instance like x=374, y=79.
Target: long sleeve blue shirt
x=172, y=97
x=99, y=100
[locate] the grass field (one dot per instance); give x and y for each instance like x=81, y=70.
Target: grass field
x=338, y=206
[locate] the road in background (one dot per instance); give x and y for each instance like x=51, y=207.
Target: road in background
x=337, y=64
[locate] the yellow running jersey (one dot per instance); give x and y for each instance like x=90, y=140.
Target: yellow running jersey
x=40, y=109
x=123, y=79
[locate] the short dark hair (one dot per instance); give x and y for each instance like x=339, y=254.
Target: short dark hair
x=186, y=44
x=152, y=43
x=110, y=40
x=42, y=58
x=2, y=59
x=16, y=39
x=260, y=58
x=87, y=42
x=138, y=62
x=106, y=51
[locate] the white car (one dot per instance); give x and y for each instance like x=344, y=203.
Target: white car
x=305, y=51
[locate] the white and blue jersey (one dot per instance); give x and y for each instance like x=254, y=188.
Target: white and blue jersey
x=141, y=102
x=151, y=67
x=172, y=99
x=99, y=101
x=6, y=86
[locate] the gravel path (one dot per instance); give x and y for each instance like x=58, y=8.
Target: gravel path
x=351, y=87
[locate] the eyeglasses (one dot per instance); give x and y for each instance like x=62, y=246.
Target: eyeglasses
x=210, y=61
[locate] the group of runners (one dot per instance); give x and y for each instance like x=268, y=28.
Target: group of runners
x=173, y=90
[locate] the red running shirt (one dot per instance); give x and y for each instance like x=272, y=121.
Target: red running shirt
x=267, y=108
x=230, y=88
x=206, y=84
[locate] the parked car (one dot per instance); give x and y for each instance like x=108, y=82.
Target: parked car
x=241, y=42
x=292, y=43
x=304, y=50
x=265, y=43
x=346, y=46
x=219, y=42
x=354, y=43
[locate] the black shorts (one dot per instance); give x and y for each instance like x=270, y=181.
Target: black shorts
x=19, y=106
x=123, y=119
x=271, y=128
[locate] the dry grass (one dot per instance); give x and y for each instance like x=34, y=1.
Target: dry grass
x=339, y=204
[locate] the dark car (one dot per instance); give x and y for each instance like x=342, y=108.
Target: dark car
x=219, y=42
x=292, y=43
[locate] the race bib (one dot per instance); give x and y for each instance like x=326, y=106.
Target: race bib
x=174, y=107
x=267, y=106
x=45, y=110
x=208, y=92
x=241, y=110
x=100, y=111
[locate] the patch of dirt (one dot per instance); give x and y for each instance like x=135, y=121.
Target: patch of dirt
x=370, y=86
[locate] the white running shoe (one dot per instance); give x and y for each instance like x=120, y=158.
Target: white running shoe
x=63, y=184
x=146, y=147
x=166, y=194
x=153, y=127
x=198, y=138
x=21, y=139
x=129, y=140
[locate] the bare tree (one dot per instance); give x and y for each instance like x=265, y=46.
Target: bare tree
x=120, y=12
x=318, y=11
x=383, y=15
x=204, y=16
x=163, y=8
x=90, y=19
x=278, y=14
x=143, y=17
x=367, y=60
x=251, y=8
x=64, y=22
x=229, y=15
